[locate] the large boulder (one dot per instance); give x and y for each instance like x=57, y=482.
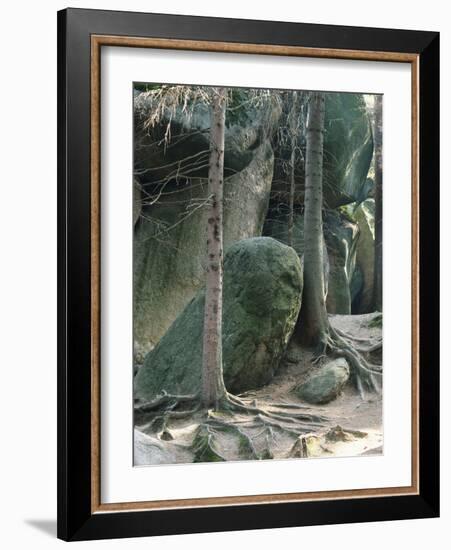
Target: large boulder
x=170, y=243
x=348, y=150
x=341, y=236
x=177, y=141
x=261, y=302
x=326, y=384
x=364, y=216
x=348, y=146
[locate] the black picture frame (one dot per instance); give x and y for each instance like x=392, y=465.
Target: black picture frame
x=76, y=521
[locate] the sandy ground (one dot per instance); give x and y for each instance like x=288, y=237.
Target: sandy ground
x=361, y=419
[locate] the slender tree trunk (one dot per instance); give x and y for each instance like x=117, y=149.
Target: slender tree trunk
x=314, y=323
x=293, y=136
x=377, y=137
x=213, y=388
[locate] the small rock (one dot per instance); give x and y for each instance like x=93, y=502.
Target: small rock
x=166, y=435
x=326, y=384
x=337, y=434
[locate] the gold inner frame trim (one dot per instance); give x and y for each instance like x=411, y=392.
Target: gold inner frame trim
x=97, y=41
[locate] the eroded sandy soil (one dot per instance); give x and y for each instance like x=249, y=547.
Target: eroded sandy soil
x=361, y=419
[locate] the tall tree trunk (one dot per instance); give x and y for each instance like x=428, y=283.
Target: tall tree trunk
x=213, y=389
x=314, y=323
x=293, y=138
x=377, y=138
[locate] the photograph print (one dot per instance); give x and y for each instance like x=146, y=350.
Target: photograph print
x=257, y=276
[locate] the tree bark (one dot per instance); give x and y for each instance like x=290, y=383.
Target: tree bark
x=293, y=137
x=314, y=323
x=377, y=139
x=213, y=389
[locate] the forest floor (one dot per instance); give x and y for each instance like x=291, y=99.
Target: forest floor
x=351, y=426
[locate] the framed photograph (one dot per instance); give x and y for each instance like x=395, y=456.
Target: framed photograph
x=248, y=274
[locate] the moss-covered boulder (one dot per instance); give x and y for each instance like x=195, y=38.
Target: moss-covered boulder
x=170, y=243
x=326, y=384
x=348, y=150
x=261, y=302
x=177, y=143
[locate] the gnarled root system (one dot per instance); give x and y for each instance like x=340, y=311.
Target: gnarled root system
x=251, y=430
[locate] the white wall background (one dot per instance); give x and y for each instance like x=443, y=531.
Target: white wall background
x=28, y=272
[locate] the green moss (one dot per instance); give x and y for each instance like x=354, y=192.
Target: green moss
x=376, y=321
x=204, y=447
x=145, y=86
x=347, y=211
x=244, y=448
x=338, y=434
x=326, y=384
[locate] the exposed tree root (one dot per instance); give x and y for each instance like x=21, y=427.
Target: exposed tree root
x=254, y=428
x=299, y=449
x=164, y=401
x=356, y=338
x=205, y=445
x=245, y=441
x=272, y=411
x=364, y=373
x=284, y=405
